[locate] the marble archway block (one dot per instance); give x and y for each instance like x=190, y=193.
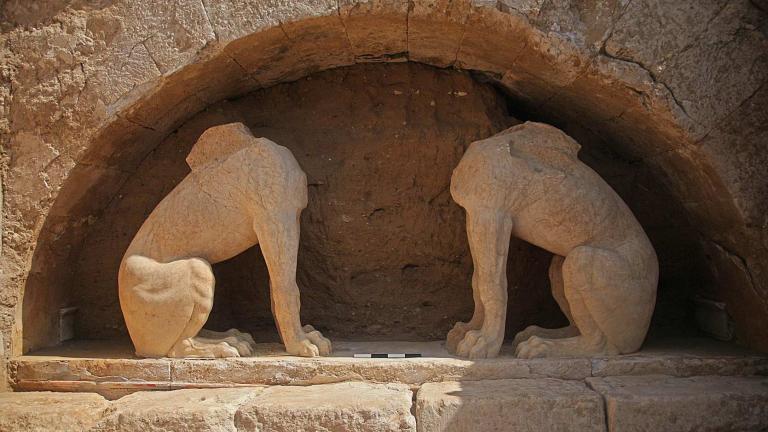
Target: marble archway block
x=528, y=182
x=242, y=191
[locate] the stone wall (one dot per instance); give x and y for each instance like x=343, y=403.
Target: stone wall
x=90, y=88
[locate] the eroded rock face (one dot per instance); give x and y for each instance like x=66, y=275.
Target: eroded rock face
x=46, y=411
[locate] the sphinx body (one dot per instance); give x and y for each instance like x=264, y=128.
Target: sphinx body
x=242, y=191
x=528, y=182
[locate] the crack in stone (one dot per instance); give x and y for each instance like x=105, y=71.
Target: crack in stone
x=743, y=265
x=152, y=57
x=285, y=33
x=725, y=120
x=248, y=74
x=698, y=37
x=677, y=53
x=129, y=120
x=614, y=24
x=208, y=18
x=461, y=39
x=602, y=398
x=344, y=27
x=606, y=54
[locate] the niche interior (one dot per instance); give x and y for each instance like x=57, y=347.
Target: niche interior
x=383, y=252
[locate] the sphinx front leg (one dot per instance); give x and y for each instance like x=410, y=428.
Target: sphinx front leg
x=488, y=231
x=278, y=236
x=460, y=329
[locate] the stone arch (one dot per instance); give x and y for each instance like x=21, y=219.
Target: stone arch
x=573, y=79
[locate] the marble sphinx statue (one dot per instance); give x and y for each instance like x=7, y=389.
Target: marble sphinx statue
x=528, y=182
x=241, y=191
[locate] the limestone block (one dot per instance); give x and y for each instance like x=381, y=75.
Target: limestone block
x=192, y=410
x=508, y=405
x=715, y=56
x=680, y=365
x=436, y=30
x=378, y=30
x=3, y=359
x=288, y=371
x=47, y=411
x=663, y=403
x=353, y=406
x=496, y=55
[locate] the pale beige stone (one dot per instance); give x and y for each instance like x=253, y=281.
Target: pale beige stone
x=528, y=181
x=353, y=406
x=69, y=71
x=190, y=410
x=47, y=412
x=99, y=366
x=4, y=385
x=681, y=366
x=663, y=403
x=509, y=405
x=271, y=366
x=242, y=191
x=3, y=358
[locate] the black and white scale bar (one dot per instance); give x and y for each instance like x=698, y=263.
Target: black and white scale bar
x=388, y=355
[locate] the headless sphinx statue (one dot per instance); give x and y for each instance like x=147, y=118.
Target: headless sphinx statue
x=242, y=191
x=528, y=182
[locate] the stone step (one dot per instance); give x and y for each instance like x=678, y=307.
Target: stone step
x=663, y=403
x=90, y=366
x=353, y=406
x=615, y=404
x=509, y=405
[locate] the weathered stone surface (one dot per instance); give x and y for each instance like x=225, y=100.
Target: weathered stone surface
x=720, y=40
x=662, y=403
x=436, y=31
x=343, y=406
x=377, y=30
x=4, y=379
x=191, y=410
x=4, y=384
x=58, y=369
x=285, y=371
x=527, y=181
x=207, y=218
x=114, y=377
x=46, y=411
x=524, y=404
x=272, y=367
x=73, y=70
x=682, y=366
